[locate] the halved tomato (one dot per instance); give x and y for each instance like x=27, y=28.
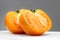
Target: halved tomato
x=35, y=23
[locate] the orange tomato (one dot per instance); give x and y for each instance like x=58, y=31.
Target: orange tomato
x=11, y=22
x=35, y=23
x=32, y=22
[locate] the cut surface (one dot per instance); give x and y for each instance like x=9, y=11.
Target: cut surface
x=44, y=19
x=18, y=15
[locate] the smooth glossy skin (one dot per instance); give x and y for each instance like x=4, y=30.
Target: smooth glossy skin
x=31, y=24
x=10, y=22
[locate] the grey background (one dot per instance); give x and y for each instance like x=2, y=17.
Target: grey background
x=52, y=7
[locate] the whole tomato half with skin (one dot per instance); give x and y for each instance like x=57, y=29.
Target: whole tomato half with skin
x=11, y=22
x=35, y=22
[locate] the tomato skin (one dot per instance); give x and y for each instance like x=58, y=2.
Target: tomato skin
x=10, y=23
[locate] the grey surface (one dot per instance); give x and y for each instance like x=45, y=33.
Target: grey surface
x=52, y=7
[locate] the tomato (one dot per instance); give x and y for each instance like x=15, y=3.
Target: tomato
x=11, y=22
x=31, y=22
x=35, y=22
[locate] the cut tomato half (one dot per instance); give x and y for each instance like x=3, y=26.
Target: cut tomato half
x=35, y=23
